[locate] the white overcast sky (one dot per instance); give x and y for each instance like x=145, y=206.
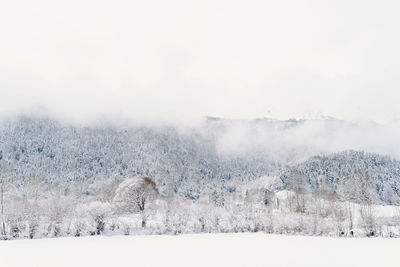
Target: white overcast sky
x=185, y=59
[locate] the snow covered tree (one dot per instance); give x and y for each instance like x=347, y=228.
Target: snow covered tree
x=134, y=195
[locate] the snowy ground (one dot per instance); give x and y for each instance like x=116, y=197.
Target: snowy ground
x=201, y=250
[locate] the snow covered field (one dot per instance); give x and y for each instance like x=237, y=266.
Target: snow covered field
x=201, y=250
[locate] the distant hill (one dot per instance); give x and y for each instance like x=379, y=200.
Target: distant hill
x=352, y=175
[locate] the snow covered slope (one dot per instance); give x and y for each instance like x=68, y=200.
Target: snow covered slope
x=201, y=250
x=353, y=175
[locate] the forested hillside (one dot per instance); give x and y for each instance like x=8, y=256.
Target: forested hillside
x=212, y=158
x=48, y=153
x=352, y=175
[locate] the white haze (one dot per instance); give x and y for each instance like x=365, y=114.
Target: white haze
x=182, y=60
x=307, y=138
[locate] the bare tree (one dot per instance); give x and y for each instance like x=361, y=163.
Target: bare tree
x=358, y=188
x=297, y=183
x=367, y=213
x=3, y=224
x=366, y=195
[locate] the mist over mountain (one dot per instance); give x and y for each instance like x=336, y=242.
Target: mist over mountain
x=217, y=154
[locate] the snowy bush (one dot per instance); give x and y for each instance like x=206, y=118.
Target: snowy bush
x=98, y=212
